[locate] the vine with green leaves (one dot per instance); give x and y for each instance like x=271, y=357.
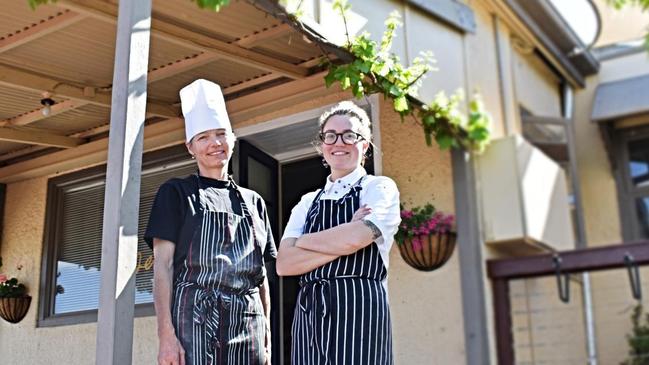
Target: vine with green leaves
x=376, y=70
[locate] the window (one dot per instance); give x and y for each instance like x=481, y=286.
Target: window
x=72, y=245
x=632, y=154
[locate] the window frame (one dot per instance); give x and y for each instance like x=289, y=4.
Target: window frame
x=53, y=210
x=626, y=191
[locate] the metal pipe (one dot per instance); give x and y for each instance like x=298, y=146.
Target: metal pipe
x=505, y=95
x=568, y=111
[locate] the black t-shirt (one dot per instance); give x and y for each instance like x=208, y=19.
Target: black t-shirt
x=177, y=195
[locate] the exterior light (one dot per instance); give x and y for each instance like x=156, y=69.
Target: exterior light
x=47, y=103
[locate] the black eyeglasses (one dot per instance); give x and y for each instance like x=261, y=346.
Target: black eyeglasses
x=348, y=137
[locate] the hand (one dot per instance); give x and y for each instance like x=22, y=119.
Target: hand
x=267, y=344
x=171, y=351
x=361, y=213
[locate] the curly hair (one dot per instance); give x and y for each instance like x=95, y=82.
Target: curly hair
x=359, y=119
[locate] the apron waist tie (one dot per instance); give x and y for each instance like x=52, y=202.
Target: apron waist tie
x=315, y=299
x=207, y=312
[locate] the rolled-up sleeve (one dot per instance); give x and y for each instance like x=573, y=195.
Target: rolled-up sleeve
x=382, y=196
x=296, y=221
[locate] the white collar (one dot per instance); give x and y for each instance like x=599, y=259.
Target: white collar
x=346, y=181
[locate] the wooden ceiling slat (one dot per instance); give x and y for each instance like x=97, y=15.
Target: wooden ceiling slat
x=271, y=33
x=180, y=66
x=19, y=79
x=52, y=24
x=38, y=138
x=178, y=35
x=37, y=115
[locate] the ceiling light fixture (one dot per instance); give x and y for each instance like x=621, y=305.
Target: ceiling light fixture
x=47, y=103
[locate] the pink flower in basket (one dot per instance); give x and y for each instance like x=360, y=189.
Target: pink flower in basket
x=419, y=223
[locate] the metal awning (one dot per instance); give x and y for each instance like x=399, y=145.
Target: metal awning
x=623, y=98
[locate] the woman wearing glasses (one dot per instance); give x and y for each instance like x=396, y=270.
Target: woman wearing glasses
x=338, y=239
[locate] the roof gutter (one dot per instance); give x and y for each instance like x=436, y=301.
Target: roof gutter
x=552, y=31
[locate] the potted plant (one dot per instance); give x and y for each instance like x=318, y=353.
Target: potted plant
x=14, y=301
x=426, y=237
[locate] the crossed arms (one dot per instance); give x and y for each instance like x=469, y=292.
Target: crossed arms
x=300, y=255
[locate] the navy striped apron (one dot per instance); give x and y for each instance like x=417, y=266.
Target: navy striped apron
x=217, y=310
x=342, y=314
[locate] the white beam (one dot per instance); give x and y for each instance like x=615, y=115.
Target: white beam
x=35, y=31
x=37, y=114
x=168, y=132
x=22, y=80
x=265, y=35
x=123, y=173
x=180, y=66
x=38, y=138
x=265, y=78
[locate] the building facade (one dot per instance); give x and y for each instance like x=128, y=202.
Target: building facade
x=567, y=167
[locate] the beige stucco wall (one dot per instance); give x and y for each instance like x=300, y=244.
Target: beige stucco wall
x=598, y=190
x=22, y=244
x=426, y=307
x=546, y=330
x=612, y=300
x=537, y=89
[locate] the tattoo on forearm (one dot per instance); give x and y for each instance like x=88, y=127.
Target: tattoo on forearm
x=376, y=232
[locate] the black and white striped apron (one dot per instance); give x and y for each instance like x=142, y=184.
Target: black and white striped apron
x=342, y=314
x=217, y=311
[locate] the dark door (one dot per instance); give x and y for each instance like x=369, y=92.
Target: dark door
x=258, y=171
x=298, y=178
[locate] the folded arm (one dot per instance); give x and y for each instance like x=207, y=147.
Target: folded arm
x=293, y=260
x=300, y=255
x=341, y=240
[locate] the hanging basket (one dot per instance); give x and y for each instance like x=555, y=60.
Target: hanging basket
x=13, y=310
x=433, y=252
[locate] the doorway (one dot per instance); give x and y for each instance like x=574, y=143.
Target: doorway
x=259, y=171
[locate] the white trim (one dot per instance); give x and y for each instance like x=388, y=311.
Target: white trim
x=297, y=118
x=294, y=155
x=374, y=103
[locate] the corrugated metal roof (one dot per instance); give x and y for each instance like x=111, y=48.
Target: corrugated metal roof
x=621, y=98
x=232, y=22
x=290, y=48
x=73, y=50
x=14, y=102
x=223, y=72
x=17, y=16
x=76, y=120
x=81, y=53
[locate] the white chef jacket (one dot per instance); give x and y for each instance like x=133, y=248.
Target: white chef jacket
x=378, y=192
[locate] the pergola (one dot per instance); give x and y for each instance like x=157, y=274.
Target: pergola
x=66, y=52
x=559, y=264
x=79, y=78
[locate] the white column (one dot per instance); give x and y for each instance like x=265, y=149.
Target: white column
x=121, y=202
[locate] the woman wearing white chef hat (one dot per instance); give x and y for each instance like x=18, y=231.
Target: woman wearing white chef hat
x=210, y=239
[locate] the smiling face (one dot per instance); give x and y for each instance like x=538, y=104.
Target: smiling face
x=212, y=150
x=343, y=158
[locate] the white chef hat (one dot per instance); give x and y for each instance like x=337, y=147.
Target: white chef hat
x=203, y=108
